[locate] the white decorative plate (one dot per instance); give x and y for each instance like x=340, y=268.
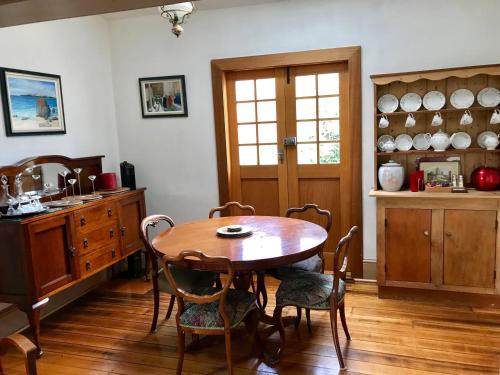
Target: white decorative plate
x=410, y=102
x=224, y=232
x=403, y=142
x=434, y=100
x=461, y=140
x=481, y=136
x=387, y=103
x=422, y=142
x=462, y=98
x=489, y=97
x=383, y=139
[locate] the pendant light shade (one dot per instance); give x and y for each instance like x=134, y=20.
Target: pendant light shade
x=177, y=15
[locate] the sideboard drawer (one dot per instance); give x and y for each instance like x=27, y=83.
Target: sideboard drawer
x=102, y=257
x=107, y=234
x=87, y=220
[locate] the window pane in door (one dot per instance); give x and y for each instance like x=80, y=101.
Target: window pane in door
x=305, y=86
x=268, y=133
x=328, y=84
x=266, y=111
x=245, y=90
x=307, y=153
x=329, y=153
x=248, y=155
x=306, y=109
x=247, y=134
x=329, y=130
x=268, y=155
x=266, y=88
x=245, y=112
x=328, y=107
x=306, y=131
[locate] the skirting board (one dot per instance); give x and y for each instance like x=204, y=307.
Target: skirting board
x=369, y=269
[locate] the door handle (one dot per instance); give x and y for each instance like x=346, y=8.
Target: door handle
x=426, y=233
x=290, y=141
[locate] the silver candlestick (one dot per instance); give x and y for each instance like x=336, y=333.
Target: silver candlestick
x=92, y=179
x=63, y=174
x=78, y=171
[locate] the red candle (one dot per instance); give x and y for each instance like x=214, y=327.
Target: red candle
x=107, y=181
x=416, y=180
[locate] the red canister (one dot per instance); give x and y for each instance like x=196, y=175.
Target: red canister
x=416, y=181
x=107, y=181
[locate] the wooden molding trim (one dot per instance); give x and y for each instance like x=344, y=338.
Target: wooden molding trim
x=349, y=55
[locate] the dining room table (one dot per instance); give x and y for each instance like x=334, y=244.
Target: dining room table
x=272, y=242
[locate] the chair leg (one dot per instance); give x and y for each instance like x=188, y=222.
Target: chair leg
x=308, y=318
x=278, y=321
x=218, y=282
x=156, y=299
x=181, y=348
x=227, y=336
x=298, y=318
x=170, y=307
x=335, y=334
x=344, y=322
x=261, y=290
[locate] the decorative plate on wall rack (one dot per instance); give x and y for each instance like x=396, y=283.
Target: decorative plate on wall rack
x=489, y=97
x=434, y=100
x=404, y=142
x=462, y=99
x=410, y=102
x=422, y=141
x=387, y=103
x=460, y=140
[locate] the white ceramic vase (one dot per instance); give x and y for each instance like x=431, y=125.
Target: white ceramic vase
x=391, y=176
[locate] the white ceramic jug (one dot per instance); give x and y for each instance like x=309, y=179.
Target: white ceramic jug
x=391, y=176
x=491, y=142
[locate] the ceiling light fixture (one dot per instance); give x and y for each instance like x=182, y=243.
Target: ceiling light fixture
x=177, y=14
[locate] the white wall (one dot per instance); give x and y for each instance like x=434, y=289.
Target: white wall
x=77, y=50
x=176, y=159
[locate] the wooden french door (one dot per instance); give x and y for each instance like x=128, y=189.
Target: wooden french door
x=289, y=141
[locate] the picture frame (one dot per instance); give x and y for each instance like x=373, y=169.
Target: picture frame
x=439, y=171
x=163, y=96
x=32, y=103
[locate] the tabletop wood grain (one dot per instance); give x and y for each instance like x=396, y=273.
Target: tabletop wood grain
x=276, y=241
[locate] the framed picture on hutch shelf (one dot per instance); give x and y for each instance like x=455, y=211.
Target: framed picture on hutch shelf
x=32, y=103
x=163, y=97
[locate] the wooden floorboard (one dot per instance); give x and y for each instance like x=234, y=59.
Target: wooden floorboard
x=107, y=332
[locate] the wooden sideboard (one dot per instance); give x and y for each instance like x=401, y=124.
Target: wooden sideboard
x=45, y=254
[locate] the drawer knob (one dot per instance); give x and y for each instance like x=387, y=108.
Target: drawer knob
x=87, y=265
x=110, y=212
x=113, y=253
x=426, y=233
x=85, y=242
x=83, y=221
x=111, y=233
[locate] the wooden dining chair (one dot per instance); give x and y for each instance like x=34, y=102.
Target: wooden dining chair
x=230, y=205
x=317, y=291
x=212, y=311
x=189, y=279
x=25, y=346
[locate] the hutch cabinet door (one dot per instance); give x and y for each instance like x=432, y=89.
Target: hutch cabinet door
x=469, y=248
x=131, y=213
x=52, y=254
x=408, y=245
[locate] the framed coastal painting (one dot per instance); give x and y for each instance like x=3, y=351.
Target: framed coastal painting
x=32, y=103
x=163, y=97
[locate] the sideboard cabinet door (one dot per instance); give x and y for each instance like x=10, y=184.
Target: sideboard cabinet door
x=469, y=248
x=131, y=212
x=52, y=255
x=408, y=245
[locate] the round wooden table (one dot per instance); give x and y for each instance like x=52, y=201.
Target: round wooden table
x=275, y=242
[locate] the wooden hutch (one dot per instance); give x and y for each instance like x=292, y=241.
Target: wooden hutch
x=44, y=254
x=439, y=246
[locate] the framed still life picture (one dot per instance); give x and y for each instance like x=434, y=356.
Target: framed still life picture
x=163, y=97
x=32, y=103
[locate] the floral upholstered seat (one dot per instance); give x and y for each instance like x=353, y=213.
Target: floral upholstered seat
x=207, y=316
x=308, y=290
x=312, y=264
x=187, y=279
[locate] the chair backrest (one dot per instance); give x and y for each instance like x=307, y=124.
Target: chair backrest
x=153, y=221
x=220, y=295
x=231, y=204
x=315, y=207
x=25, y=346
x=341, y=257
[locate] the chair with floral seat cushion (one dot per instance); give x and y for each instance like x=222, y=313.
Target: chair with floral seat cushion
x=230, y=205
x=211, y=311
x=189, y=280
x=317, y=291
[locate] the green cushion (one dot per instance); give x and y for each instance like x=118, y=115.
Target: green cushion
x=308, y=290
x=186, y=279
x=312, y=264
x=238, y=304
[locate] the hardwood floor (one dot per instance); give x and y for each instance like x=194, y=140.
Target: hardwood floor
x=106, y=332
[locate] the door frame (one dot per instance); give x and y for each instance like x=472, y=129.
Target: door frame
x=349, y=55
